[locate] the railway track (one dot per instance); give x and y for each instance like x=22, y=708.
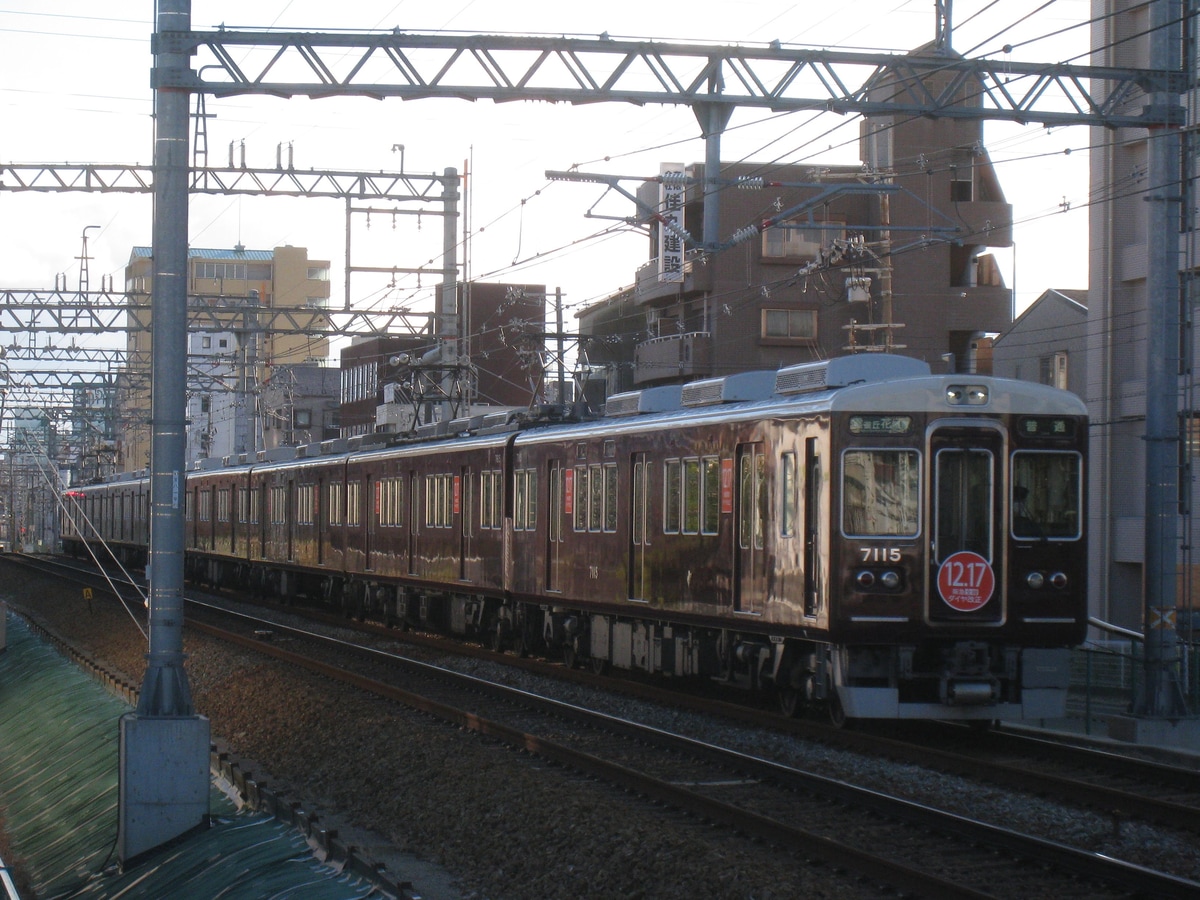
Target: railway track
x=929, y=852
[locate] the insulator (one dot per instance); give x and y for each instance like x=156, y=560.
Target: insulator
x=744, y=234
x=674, y=178
x=750, y=183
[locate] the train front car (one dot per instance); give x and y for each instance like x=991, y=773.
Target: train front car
x=958, y=554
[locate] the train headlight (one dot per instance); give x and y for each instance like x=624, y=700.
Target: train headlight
x=890, y=580
x=1035, y=580
x=865, y=579
x=967, y=395
x=1058, y=580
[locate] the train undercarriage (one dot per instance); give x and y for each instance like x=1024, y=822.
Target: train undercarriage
x=947, y=679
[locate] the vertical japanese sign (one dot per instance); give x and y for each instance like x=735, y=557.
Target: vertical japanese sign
x=670, y=224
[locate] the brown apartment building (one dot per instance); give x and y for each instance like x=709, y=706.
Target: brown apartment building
x=817, y=261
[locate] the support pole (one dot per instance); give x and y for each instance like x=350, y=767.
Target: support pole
x=448, y=318
x=1161, y=693
x=164, y=745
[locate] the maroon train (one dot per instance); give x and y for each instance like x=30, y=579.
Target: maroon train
x=856, y=534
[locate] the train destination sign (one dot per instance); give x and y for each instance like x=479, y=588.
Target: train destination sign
x=1046, y=426
x=966, y=581
x=881, y=424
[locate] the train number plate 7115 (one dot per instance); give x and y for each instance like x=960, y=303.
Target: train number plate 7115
x=880, y=554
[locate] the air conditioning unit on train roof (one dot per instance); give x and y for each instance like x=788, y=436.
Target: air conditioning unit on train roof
x=846, y=370
x=648, y=400
x=729, y=389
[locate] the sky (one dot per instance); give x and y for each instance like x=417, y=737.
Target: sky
x=75, y=87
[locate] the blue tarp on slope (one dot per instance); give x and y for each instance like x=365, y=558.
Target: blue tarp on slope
x=58, y=788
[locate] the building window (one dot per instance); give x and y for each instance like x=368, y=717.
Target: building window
x=789, y=325
x=301, y=418
x=799, y=240
x=318, y=273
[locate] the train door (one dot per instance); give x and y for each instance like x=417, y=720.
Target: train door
x=639, y=519
x=812, y=528
x=965, y=524
x=193, y=514
x=370, y=519
x=554, y=526
x=462, y=509
x=320, y=519
x=289, y=518
x=414, y=519
x=750, y=575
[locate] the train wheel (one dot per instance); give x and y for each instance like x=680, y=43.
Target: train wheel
x=790, y=703
x=837, y=714
x=499, y=636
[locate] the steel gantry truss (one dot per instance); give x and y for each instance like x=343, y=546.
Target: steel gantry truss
x=100, y=312
x=775, y=77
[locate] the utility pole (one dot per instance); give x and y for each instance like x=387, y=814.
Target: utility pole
x=447, y=318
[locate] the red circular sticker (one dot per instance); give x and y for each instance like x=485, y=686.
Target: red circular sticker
x=966, y=581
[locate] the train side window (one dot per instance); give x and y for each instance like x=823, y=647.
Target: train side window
x=610, y=497
x=391, y=502
x=353, y=503
x=578, y=492
x=438, y=511
x=495, y=499
x=278, y=511
x=595, y=498
x=305, y=503
x=691, y=496
x=672, y=495
x=531, y=496
x=711, y=512
x=753, y=493
x=334, y=502
x=787, y=504
x=525, y=500
x=881, y=493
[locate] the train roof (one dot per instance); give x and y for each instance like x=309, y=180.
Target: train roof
x=861, y=383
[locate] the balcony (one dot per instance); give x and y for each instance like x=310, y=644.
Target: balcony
x=674, y=357
x=697, y=277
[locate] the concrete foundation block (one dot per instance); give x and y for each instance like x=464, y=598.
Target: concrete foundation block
x=164, y=781
x=1182, y=733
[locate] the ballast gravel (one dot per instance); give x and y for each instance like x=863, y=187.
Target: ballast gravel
x=464, y=817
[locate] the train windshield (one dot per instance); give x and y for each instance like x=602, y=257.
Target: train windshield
x=1046, y=496
x=881, y=492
